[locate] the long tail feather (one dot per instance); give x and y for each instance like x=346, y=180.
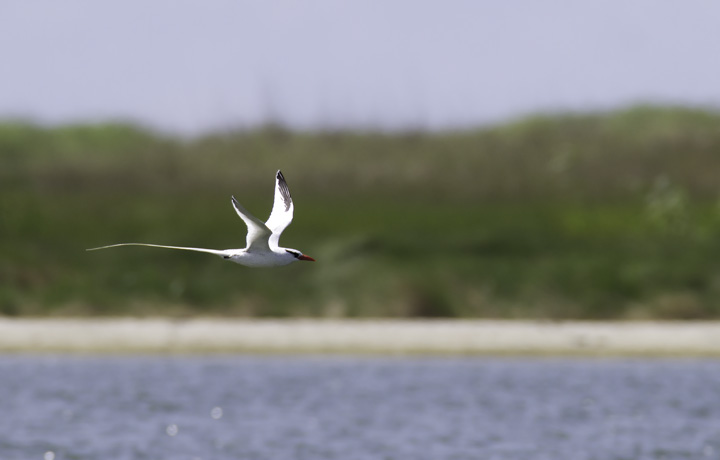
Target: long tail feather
x=209, y=251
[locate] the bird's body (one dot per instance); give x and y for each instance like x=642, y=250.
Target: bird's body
x=262, y=242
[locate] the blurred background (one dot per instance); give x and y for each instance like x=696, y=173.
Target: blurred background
x=546, y=160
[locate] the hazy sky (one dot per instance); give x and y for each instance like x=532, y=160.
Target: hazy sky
x=190, y=65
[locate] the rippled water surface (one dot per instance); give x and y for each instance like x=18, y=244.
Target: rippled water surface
x=269, y=407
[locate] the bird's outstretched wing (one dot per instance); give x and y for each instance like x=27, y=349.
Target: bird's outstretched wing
x=258, y=233
x=282, y=211
x=209, y=251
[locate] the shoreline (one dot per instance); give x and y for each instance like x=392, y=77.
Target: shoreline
x=374, y=337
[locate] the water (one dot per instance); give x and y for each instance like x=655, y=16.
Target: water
x=246, y=407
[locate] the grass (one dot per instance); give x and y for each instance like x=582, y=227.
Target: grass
x=583, y=216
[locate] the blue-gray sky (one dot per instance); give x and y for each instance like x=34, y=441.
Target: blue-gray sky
x=191, y=66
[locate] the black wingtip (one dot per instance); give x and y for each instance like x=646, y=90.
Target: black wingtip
x=279, y=175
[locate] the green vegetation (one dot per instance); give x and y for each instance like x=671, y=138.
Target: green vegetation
x=568, y=216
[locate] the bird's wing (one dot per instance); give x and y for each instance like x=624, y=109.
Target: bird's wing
x=258, y=233
x=209, y=251
x=282, y=211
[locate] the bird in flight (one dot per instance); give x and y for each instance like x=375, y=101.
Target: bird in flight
x=262, y=239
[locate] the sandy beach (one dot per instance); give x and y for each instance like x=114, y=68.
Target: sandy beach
x=161, y=335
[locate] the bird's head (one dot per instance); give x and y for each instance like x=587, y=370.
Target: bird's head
x=299, y=255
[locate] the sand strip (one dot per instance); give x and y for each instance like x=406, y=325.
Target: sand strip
x=123, y=335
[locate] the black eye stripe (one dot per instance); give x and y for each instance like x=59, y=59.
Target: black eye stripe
x=296, y=254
